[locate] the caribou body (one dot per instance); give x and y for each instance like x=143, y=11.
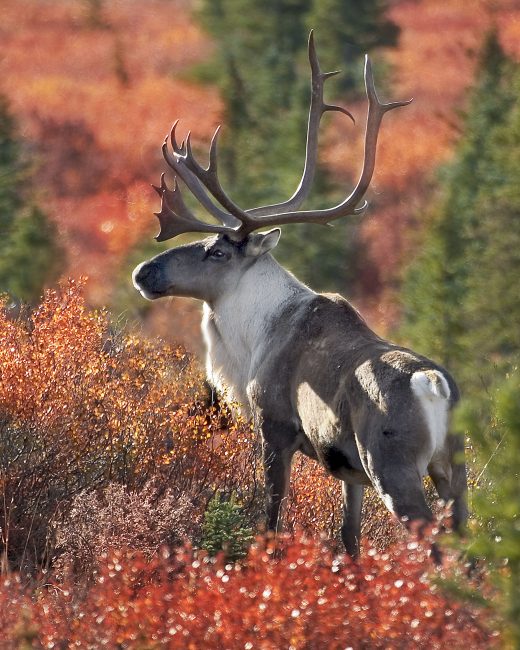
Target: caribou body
x=314, y=376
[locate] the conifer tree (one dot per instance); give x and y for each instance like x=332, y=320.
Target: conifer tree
x=258, y=52
x=11, y=169
x=225, y=528
x=493, y=296
x=494, y=426
x=446, y=282
x=30, y=257
x=351, y=29
x=29, y=254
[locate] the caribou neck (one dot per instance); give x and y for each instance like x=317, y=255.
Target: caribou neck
x=258, y=297
x=237, y=325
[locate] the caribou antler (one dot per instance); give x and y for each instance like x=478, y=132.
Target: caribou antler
x=175, y=218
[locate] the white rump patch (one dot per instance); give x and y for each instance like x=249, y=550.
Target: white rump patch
x=432, y=390
x=430, y=384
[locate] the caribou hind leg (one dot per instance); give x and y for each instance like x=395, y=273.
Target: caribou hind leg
x=450, y=481
x=401, y=489
x=351, y=528
x=407, y=502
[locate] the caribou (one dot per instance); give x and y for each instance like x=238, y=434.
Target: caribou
x=312, y=374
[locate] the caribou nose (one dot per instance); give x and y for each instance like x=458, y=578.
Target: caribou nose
x=143, y=274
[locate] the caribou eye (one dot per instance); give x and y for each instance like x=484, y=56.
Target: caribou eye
x=217, y=255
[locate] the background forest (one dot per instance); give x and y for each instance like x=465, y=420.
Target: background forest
x=119, y=481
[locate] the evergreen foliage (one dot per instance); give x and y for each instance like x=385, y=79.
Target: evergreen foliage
x=11, y=168
x=29, y=259
x=225, y=528
x=29, y=254
x=261, y=67
x=351, y=28
x=463, y=308
x=461, y=305
x=495, y=431
x=493, y=298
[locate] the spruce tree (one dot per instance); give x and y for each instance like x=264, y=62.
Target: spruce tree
x=225, y=528
x=258, y=52
x=351, y=29
x=493, y=297
x=12, y=170
x=494, y=426
x=30, y=257
x=29, y=254
x=445, y=282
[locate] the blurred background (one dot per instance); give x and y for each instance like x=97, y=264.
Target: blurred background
x=89, y=88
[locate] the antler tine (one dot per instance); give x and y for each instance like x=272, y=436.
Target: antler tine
x=177, y=149
x=176, y=162
x=175, y=218
x=349, y=206
x=209, y=178
x=316, y=110
x=376, y=110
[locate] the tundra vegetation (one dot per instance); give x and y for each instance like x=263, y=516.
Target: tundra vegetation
x=116, y=469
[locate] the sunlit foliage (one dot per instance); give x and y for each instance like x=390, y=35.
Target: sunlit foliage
x=83, y=406
x=300, y=597
x=86, y=409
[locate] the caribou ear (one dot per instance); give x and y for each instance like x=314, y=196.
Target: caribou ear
x=259, y=243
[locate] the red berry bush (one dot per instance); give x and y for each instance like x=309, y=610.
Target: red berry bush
x=299, y=595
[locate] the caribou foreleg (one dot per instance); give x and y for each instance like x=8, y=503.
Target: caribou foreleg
x=351, y=528
x=279, y=446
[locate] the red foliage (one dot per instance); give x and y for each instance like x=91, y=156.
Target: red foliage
x=95, y=101
x=83, y=406
x=95, y=104
x=300, y=596
x=86, y=409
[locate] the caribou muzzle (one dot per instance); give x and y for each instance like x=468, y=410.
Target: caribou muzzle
x=148, y=279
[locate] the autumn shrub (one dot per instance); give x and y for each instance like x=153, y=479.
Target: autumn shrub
x=302, y=596
x=116, y=517
x=83, y=406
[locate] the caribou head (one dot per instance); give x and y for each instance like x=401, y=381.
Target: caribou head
x=235, y=225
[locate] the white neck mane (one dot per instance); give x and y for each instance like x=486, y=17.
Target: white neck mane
x=236, y=327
